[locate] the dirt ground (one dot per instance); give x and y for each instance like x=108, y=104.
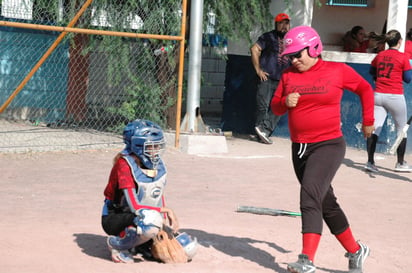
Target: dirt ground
x=51, y=205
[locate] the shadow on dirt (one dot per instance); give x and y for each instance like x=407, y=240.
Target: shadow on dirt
x=92, y=245
x=245, y=248
x=389, y=173
x=239, y=247
x=95, y=246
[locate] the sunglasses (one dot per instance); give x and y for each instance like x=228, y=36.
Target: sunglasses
x=296, y=55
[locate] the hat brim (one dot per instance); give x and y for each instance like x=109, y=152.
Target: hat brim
x=288, y=52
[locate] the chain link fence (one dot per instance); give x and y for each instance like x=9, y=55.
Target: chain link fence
x=73, y=90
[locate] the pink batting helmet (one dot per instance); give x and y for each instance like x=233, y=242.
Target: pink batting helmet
x=301, y=37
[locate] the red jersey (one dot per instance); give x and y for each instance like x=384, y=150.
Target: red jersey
x=362, y=48
x=120, y=178
x=317, y=115
x=390, y=65
x=408, y=48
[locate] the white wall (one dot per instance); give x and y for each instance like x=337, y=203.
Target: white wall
x=331, y=22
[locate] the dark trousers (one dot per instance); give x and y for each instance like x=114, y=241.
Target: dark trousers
x=265, y=118
x=114, y=223
x=315, y=165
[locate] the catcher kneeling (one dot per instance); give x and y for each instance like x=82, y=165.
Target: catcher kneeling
x=134, y=212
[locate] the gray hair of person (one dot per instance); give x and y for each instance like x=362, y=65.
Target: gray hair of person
x=392, y=37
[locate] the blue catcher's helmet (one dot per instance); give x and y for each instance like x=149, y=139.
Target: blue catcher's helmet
x=145, y=139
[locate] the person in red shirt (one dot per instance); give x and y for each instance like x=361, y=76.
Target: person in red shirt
x=134, y=209
x=390, y=69
x=355, y=40
x=408, y=44
x=310, y=92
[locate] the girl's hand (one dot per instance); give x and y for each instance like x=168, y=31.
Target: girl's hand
x=368, y=130
x=172, y=219
x=292, y=100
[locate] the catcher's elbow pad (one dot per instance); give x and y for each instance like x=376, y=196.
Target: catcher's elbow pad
x=148, y=222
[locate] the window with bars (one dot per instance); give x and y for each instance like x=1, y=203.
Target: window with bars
x=349, y=3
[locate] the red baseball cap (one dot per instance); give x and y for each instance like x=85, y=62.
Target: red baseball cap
x=281, y=17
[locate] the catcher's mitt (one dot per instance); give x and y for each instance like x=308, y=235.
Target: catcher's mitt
x=167, y=249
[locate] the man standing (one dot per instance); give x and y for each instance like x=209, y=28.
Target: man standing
x=269, y=64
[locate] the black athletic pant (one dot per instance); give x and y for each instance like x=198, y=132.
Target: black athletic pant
x=114, y=223
x=315, y=166
x=265, y=118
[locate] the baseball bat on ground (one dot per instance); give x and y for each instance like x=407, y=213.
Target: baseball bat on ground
x=267, y=211
x=400, y=137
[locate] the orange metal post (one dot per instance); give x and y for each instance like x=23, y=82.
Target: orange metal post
x=180, y=75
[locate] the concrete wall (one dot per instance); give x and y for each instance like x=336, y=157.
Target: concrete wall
x=213, y=82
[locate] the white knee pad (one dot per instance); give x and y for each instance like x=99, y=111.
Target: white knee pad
x=148, y=223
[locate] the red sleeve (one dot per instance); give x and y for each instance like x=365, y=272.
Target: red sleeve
x=357, y=84
x=120, y=178
x=406, y=63
x=373, y=63
x=408, y=48
x=124, y=175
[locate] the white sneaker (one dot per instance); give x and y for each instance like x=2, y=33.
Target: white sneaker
x=404, y=167
x=303, y=265
x=262, y=135
x=122, y=256
x=370, y=167
x=119, y=256
x=356, y=260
